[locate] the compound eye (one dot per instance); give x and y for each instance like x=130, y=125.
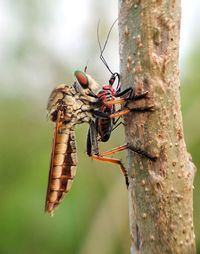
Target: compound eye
x=82, y=78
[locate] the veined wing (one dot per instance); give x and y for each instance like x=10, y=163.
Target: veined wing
x=62, y=165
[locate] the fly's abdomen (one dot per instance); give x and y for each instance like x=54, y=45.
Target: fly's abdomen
x=63, y=167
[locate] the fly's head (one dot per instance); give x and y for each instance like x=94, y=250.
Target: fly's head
x=87, y=83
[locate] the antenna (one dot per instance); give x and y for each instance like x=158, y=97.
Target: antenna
x=104, y=46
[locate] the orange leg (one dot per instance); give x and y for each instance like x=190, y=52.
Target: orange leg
x=125, y=111
x=132, y=148
x=101, y=157
x=139, y=151
x=115, y=150
x=113, y=161
x=115, y=101
x=120, y=113
x=122, y=100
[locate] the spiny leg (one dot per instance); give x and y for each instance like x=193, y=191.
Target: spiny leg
x=126, y=110
x=136, y=97
x=123, y=100
x=142, y=152
x=128, y=91
x=132, y=148
x=131, y=94
x=137, y=150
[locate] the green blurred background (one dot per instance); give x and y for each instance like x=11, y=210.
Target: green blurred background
x=41, y=45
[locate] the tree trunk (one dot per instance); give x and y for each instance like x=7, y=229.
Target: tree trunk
x=160, y=192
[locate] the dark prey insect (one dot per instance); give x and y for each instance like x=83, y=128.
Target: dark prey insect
x=104, y=123
x=108, y=97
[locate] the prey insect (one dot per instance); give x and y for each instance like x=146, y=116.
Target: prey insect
x=104, y=123
x=101, y=128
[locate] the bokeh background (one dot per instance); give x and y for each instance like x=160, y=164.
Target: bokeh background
x=42, y=43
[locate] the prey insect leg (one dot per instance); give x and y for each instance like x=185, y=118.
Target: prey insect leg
x=92, y=143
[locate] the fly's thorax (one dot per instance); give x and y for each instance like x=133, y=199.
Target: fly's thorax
x=76, y=106
x=83, y=113
x=55, y=101
x=76, y=110
x=57, y=95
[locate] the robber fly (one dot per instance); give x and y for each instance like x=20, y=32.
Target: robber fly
x=67, y=106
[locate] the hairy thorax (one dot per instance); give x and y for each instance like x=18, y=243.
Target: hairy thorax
x=73, y=101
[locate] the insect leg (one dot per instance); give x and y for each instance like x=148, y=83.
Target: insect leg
x=113, y=161
x=100, y=114
x=127, y=90
x=131, y=95
x=132, y=148
x=115, y=127
x=89, y=145
x=126, y=110
x=93, y=138
x=123, y=100
x=92, y=143
x=137, y=150
x=101, y=157
x=138, y=96
x=120, y=113
x=135, y=97
x=115, y=101
x=141, y=152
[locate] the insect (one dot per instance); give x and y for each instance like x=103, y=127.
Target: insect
x=101, y=129
x=67, y=106
x=104, y=122
x=72, y=105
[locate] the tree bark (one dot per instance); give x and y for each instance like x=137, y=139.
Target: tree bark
x=160, y=192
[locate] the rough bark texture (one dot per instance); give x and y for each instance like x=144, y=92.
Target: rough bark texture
x=161, y=192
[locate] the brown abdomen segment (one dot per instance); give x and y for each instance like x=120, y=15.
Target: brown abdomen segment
x=62, y=168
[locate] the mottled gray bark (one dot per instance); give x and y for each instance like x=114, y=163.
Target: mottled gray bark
x=161, y=192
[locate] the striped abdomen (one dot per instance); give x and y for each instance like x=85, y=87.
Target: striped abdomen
x=62, y=167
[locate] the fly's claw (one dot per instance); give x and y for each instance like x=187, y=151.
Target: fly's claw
x=142, y=109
